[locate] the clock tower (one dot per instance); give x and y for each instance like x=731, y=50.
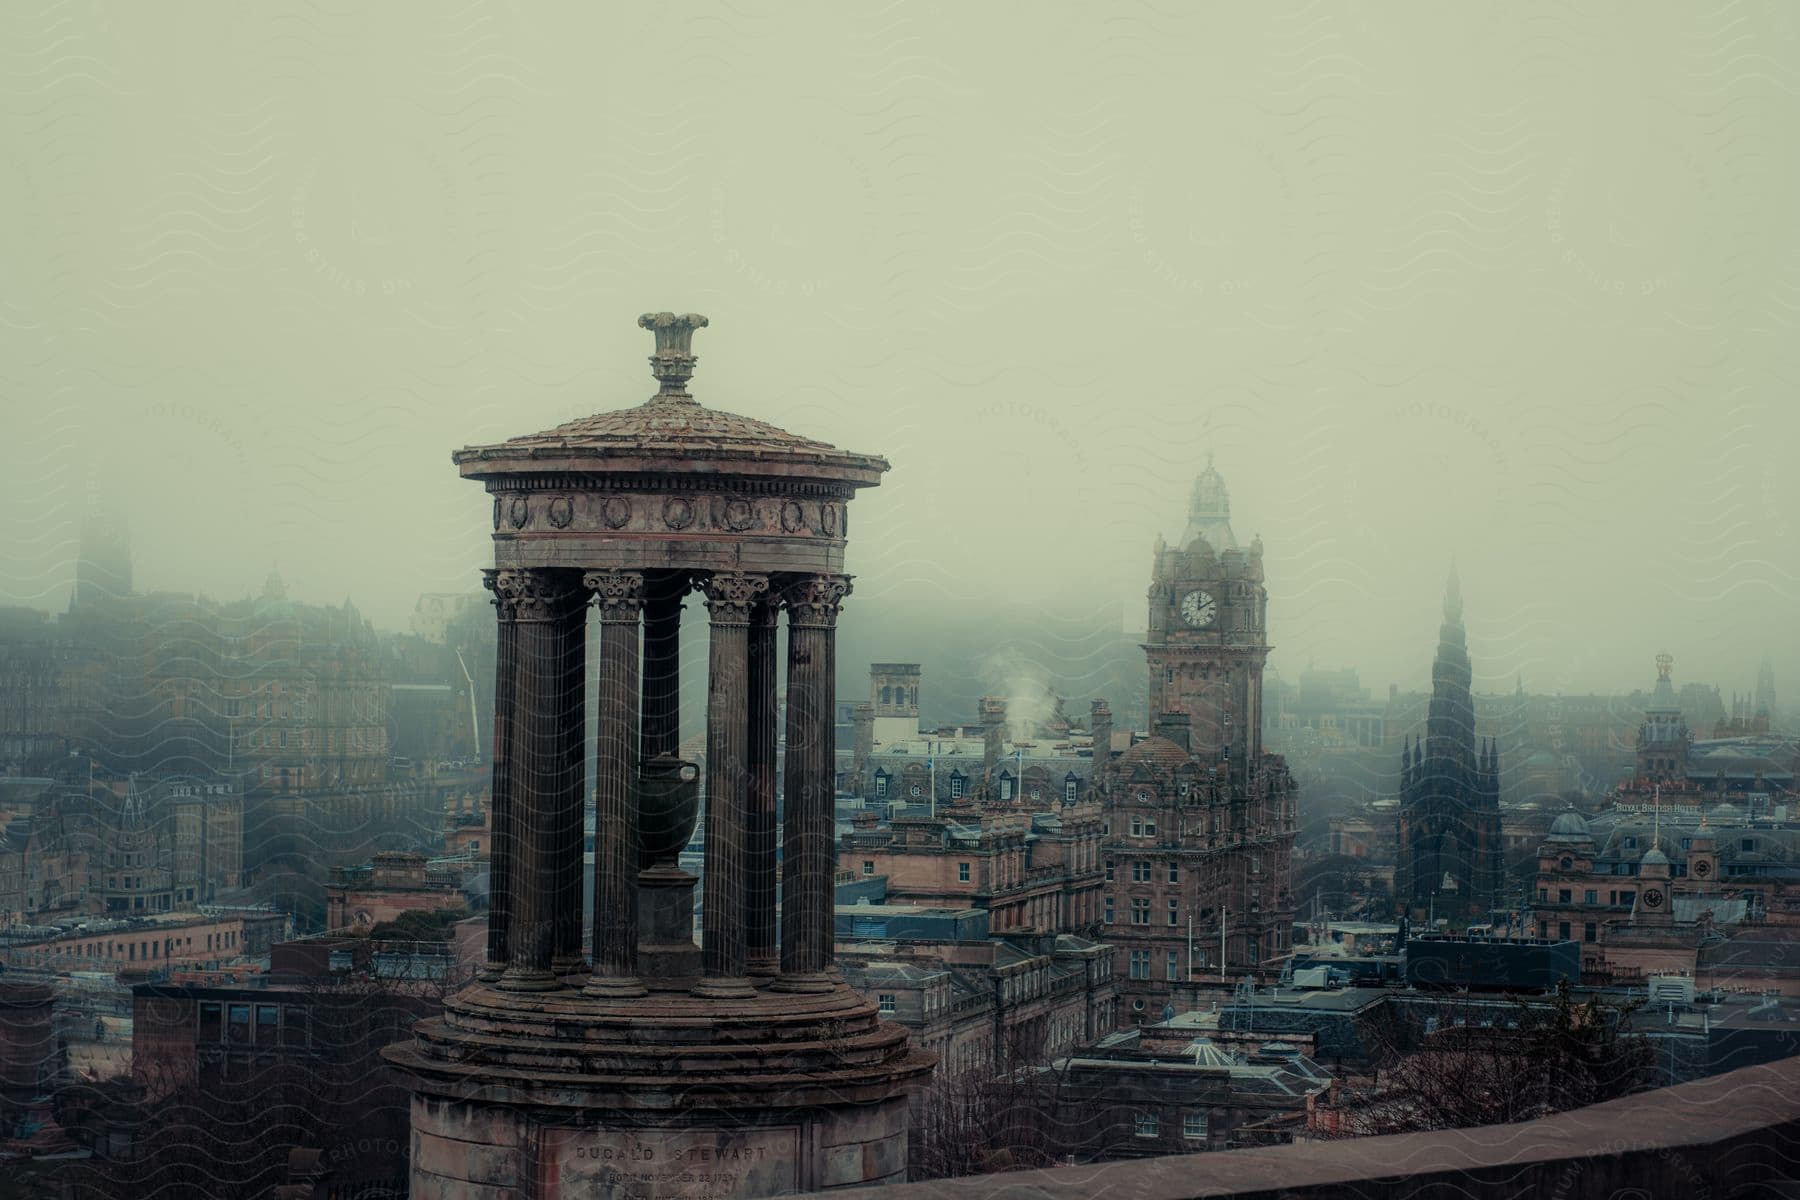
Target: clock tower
x=1208, y=637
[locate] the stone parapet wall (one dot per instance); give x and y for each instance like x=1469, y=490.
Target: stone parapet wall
x=1727, y=1136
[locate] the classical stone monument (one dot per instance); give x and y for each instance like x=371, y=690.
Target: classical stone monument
x=646, y=1065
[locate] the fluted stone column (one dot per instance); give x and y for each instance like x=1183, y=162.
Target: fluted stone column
x=730, y=598
x=808, y=863
x=499, y=785
x=663, y=591
x=569, y=815
x=619, y=595
x=548, y=607
x=763, y=955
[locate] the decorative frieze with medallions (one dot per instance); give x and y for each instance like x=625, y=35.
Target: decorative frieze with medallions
x=660, y=514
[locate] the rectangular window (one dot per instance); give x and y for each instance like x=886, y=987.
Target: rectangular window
x=1590, y=896
x=1137, y=826
x=868, y=866
x=1562, y=895
x=1109, y=870
x=1193, y=1125
x=1006, y=788
x=1140, y=912
x=1174, y=872
x=211, y=1020
x=237, y=1024
x=1140, y=872
x=1589, y=932
x=1149, y=828
x=1109, y=910
x=886, y=1001
x=268, y=1024
x=1543, y=893
x=1562, y=930
x=1627, y=899
x=1174, y=965
x=1174, y=912
x=1069, y=786
x=881, y=787
x=1140, y=964
x=1148, y=1125
x=962, y=872
x=956, y=787
x=293, y=1028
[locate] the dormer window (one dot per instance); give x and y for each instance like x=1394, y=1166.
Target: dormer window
x=881, y=784
x=956, y=785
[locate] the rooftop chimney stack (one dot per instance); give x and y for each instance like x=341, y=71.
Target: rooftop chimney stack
x=1100, y=724
x=1176, y=727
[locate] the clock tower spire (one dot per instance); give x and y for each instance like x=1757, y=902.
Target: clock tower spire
x=1207, y=641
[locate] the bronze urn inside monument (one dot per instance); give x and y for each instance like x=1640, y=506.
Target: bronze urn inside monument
x=668, y=809
x=668, y=803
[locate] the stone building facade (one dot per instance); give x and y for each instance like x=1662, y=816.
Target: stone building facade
x=1029, y=871
x=989, y=1005
x=392, y=884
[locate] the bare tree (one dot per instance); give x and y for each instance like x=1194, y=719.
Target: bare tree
x=1496, y=1062
x=1005, y=1115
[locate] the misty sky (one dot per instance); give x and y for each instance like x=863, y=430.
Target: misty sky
x=1516, y=283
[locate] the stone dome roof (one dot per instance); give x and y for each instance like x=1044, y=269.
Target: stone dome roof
x=1654, y=857
x=1157, y=752
x=671, y=430
x=1570, y=826
x=1725, y=813
x=670, y=422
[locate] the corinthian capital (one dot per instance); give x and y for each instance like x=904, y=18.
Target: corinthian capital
x=504, y=608
x=619, y=595
x=815, y=599
x=730, y=596
x=535, y=594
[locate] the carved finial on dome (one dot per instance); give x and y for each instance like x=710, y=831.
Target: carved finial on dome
x=673, y=362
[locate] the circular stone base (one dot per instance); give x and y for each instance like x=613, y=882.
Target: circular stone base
x=525, y=1095
x=475, y=1151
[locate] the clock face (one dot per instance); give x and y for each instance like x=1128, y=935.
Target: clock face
x=1703, y=868
x=1653, y=899
x=1198, y=609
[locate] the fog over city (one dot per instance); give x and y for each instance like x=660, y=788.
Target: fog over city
x=1518, y=291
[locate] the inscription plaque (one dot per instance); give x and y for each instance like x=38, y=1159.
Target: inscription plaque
x=674, y=1164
